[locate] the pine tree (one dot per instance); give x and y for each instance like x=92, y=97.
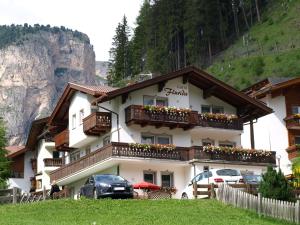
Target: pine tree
x=274, y=185
x=4, y=162
x=120, y=55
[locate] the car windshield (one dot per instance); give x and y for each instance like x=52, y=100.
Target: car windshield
x=252, y=178
x=228, y=172
x=108, y=178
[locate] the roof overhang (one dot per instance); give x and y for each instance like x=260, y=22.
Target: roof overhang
x=248, y=108
x=37, y=127
x=14, y=151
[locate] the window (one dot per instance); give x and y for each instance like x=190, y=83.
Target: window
x=297, y=140
x=106, y=140
x=151, y=100
x=167, y=179
x=205, y=109
x=212, y=109
x=81, y=116
x=55, y=154
x=147, y=139
x=163, y=140
x=228, y=172
x=226, y=144
x=73, y=121
x=150, y=177
x=161, y=101
x=217, y=109
x=156, y=139
x=295, y=109
x=207, y=142
x=148, y=100
x=74, y=156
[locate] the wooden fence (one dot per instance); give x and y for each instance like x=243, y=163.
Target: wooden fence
x=263, y=206
x=10, y=195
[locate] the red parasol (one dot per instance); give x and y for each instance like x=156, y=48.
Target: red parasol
x=146, y=185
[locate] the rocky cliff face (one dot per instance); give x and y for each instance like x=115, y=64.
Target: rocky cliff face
x=34, y=73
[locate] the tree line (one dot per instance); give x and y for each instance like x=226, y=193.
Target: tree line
x=172, y=34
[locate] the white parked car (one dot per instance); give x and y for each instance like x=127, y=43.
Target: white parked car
x=213, y=176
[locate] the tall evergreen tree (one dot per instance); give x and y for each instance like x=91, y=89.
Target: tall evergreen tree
x=4, y=162
x=120, y=55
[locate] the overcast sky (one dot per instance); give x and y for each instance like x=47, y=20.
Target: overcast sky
x=97, y=18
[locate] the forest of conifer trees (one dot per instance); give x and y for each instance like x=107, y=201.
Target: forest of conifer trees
x=171, y=34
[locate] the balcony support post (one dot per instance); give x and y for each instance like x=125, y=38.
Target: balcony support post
x=252, y=135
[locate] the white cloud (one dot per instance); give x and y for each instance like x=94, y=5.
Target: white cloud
x=97, y=18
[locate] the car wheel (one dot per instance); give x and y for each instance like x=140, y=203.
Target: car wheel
x=184, y=196
x=95, y=194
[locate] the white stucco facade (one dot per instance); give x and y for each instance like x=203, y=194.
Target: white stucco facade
x=270, y=132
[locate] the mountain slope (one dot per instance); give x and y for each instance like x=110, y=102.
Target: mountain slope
x=270, y=49
x=33, y=73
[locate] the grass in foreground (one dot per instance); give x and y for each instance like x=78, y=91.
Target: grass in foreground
x=105, y=212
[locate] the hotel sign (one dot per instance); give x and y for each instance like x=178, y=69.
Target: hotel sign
x=179, y=90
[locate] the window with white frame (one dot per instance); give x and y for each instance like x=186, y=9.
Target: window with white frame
x=226, y=144
x=81, y=116
x=295, y=109
x=74, y=156
x=167, y=179
x=212, y=109
x=156, y=139
x=158, y=101
x=150, y=177
x=73, y=121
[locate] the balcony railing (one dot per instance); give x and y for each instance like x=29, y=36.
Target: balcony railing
x=135, y=151
x=198, y=153
x=292, y=122
x=233, y=124
x=136, y=114
x=97, y=123
x=293, y=151
x=62, y=141
x=51, y=162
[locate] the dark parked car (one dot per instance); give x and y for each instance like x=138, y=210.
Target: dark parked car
x=106, y=185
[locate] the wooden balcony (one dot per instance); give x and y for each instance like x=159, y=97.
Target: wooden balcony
x=62, y=141
x=50, y=162
x=293, y=151
x=97, y=123
x=136, y=114
x=198, y=153
x=292, y=123
x=126, y=150
x=234, y=124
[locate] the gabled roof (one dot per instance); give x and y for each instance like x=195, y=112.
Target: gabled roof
x=60, y=111
x=270, y=85
x=36, y=129
x=249, y=107
x=14, y=151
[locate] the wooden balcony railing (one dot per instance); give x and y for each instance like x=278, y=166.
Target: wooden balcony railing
x=62, y=141
x=292, y=122
x=130, y=151
x=53, y=162
x=97, y=123
x=234, y=124
x=136, y=114
x=197, y=153
x=293, y=151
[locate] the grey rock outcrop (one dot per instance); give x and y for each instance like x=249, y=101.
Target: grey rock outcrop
x=33, y=75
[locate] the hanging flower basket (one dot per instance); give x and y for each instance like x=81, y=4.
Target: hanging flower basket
x=296, y=116
x=218, y=117
x=148, y=147
x=170, y=110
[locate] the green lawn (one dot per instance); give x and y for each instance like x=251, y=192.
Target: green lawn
x=130, y=212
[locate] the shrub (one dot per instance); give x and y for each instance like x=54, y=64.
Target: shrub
x=257, y=66
x=274, y=185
